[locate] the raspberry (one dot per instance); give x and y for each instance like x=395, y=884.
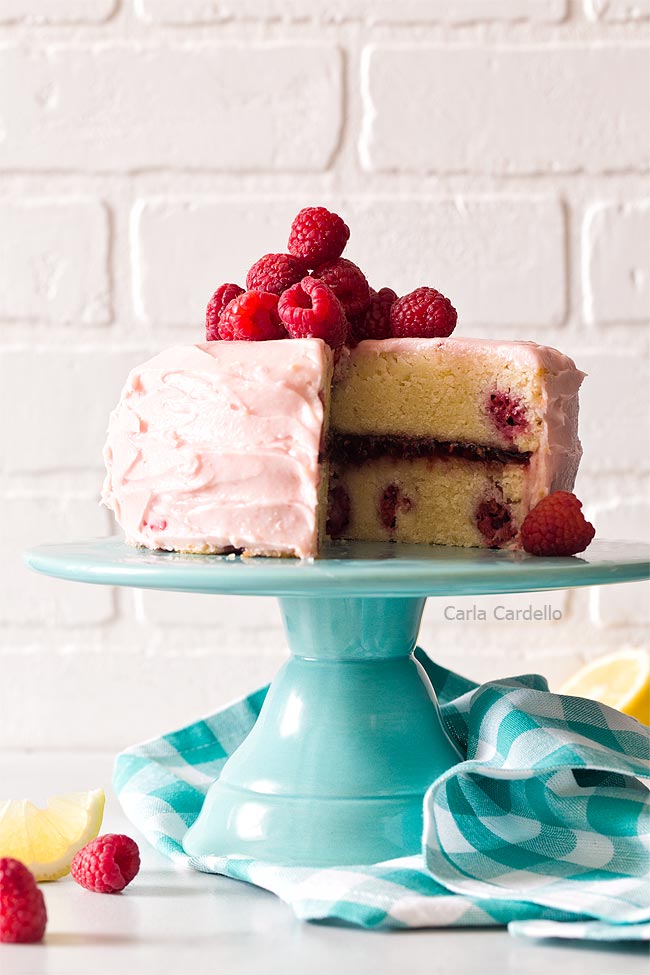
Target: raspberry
x=424, y=313
x=338, y=512
x=392, y=501
x=275, y=273
x=222, y=296
x=311, y=310
x=317, y=236
x=107, y=864
x=374, y=323
x=494, y=521
x=348, y=283
x=252, y=316
x=556, y=526
x=22, y=907
x=507, y=412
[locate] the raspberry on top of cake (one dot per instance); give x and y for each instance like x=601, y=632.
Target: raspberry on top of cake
x=322, y=408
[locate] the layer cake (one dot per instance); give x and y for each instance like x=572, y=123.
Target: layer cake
x=233, y=446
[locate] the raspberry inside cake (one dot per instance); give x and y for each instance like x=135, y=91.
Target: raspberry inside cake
x=232, y=446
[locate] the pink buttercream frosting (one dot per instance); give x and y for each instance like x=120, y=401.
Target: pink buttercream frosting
x=217, y=445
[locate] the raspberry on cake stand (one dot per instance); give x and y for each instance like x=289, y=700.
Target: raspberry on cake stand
x=349, y=737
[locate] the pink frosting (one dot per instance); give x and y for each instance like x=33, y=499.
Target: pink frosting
x=217, y=445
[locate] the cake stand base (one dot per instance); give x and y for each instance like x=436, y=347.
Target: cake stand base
x=348, y=741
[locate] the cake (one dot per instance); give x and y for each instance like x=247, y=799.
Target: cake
x=231, y=446
x=321, y=410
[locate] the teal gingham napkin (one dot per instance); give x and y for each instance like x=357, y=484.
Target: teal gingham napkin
x=544, y=827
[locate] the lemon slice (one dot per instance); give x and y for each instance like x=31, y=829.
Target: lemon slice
x=621, y=680
x=47, y=839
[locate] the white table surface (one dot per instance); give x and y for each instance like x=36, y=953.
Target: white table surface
x=171, y=921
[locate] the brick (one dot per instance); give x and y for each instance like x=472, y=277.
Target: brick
x=66, y=107
x=63, y=428
x=227, y=237
x=626, y=605
x=55, y=11
x=54, y=261
x=510, y=249
x=111, y=699
x=610, y=408
x=226, y=618
x=617, y=10
x=505, y=111
x=616, y=264
x=374, y=11
x=29, y=599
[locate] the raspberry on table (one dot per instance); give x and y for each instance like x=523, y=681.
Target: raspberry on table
x=423, y=313
x=222, y=296
x=275, y=273
x=317, y=235
x=22, y=906
x=556, y=526
x=348, y=282
x=253, y=317
x=374, y=322
x=107, y=864
x=312, y=310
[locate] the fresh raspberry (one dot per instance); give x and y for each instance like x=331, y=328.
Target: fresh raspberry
x=22, y=907
x=374, y=323
x=222, y=296
x=312, y=310
x=107, y=864
x=424, y=313
x=348, y=282
x=556, y=526
x=507, y=413
x=252, y=316
x=275, y=273
x=317, y=236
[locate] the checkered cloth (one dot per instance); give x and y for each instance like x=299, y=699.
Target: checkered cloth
x=544, y=827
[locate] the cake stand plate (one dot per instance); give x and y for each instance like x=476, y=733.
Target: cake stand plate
x=349, y=737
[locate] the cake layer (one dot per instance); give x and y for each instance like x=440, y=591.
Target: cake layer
x=512, y=395
x=448, y=501
x=216, y=447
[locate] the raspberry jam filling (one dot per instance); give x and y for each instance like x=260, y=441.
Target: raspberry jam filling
x=352, y=449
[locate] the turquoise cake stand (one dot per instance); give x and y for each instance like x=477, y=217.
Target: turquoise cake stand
x=349, y=737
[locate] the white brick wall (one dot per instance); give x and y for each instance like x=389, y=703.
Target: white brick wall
x=150, y=149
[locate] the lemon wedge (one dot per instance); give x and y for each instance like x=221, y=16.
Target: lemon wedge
x=46, y=840
x=621, y=680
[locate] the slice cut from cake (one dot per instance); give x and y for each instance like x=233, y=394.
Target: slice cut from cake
x=230, y=446
x=450, y=440
x=218, y=448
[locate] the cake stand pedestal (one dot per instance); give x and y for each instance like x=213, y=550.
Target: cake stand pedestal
x=349, y=737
